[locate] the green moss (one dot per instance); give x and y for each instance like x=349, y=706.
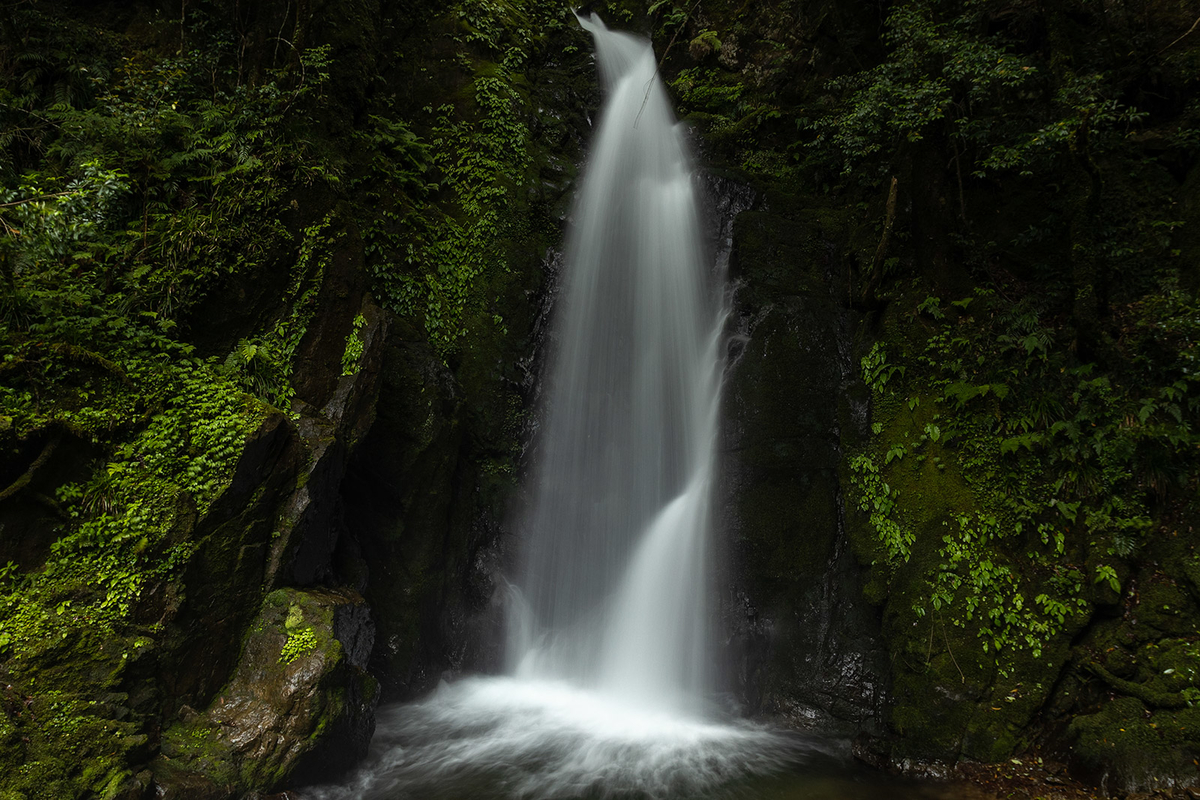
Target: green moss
x=1146, y=749
x=1166, y=607
x=64, y=744
x=197, y=746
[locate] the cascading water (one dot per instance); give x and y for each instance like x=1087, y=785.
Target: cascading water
x=614, y=576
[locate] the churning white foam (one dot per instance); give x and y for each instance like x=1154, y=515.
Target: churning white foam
x=537, y=740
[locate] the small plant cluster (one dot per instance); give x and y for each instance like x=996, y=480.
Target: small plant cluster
x=262, y=365
x=879, y=500
x=301, y=638
x=352, y=356
x=300, y=642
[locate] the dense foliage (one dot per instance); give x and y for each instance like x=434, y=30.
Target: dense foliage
x=139, y=173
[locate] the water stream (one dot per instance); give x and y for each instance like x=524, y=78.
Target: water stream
x=614, y=574
x=609, y=689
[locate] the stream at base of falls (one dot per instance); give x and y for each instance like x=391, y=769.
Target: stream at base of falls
x=501, y=738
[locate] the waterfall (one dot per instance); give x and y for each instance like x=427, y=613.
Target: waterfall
x=607, y=619
x=614, y=576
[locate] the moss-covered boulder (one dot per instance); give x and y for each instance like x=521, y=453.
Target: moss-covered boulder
x=300, y=705
x=1128, y=747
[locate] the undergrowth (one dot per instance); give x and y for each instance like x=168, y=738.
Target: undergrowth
x=1064, y=466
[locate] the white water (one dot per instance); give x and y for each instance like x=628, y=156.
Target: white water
x=509, y=738
x=609, y=692
x=615, y=575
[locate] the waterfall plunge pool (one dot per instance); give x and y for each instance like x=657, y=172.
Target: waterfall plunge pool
x=504, y=738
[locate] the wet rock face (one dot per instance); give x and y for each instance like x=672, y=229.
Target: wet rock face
x=300, y=706
x=398, y=495
x=429, y=493
x=311, y=523
x=802, y=644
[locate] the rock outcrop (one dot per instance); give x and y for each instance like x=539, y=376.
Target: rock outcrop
x=805, y=647
x=300, y=705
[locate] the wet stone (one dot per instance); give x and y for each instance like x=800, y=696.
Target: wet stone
x=300, y=705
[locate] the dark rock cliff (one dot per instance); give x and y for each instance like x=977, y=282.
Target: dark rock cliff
x=806, y=647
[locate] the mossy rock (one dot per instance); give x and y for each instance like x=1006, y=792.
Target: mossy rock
x=63, y=744
x=300, y=705
x=954, y=696
x=1126, y=747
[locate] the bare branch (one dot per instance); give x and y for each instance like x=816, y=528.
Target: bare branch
x=1190, y=31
